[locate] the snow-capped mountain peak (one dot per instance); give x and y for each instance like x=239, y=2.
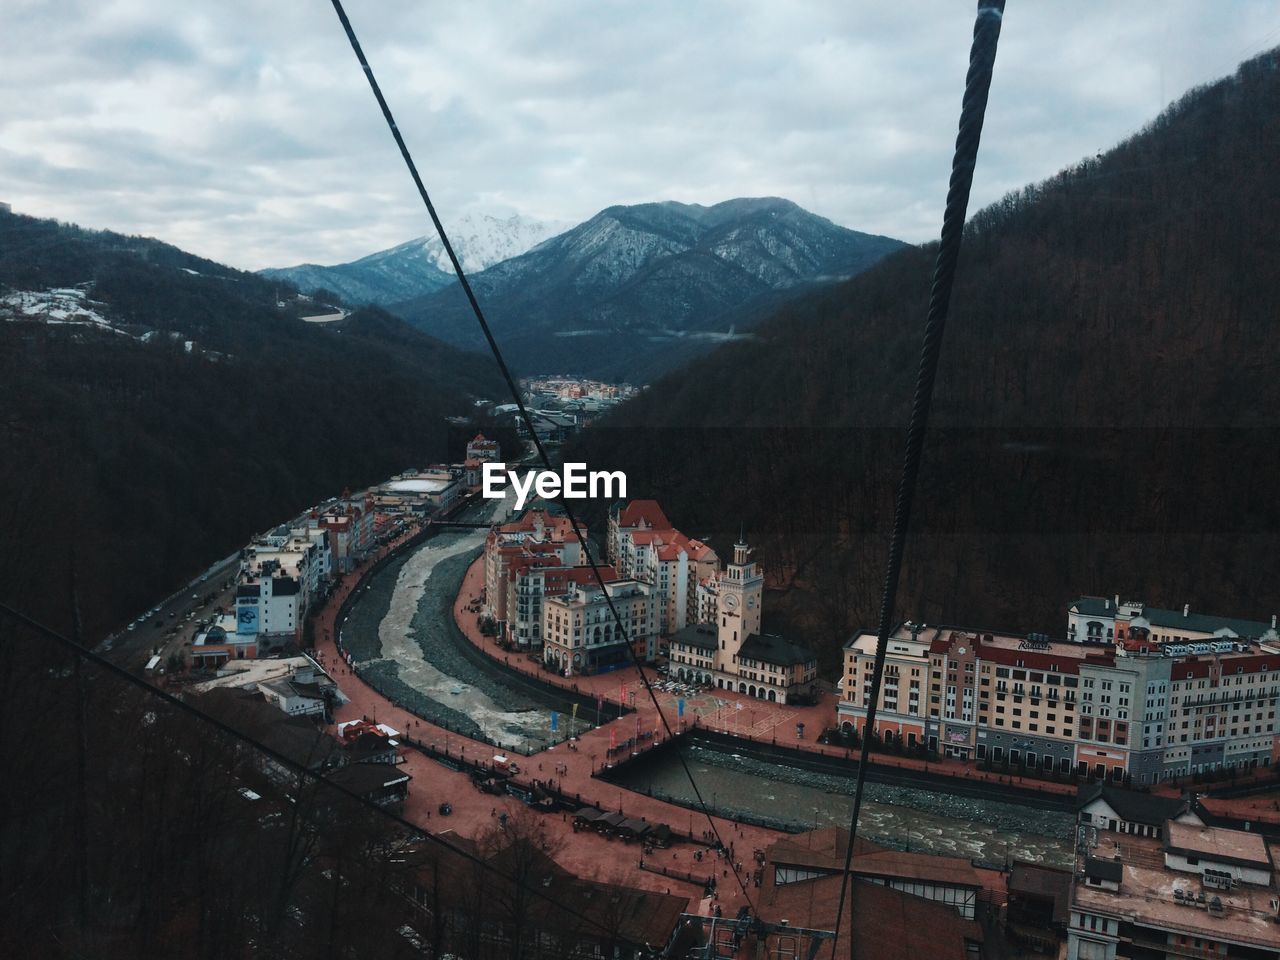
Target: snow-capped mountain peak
x=483, y=240
x=420, y=265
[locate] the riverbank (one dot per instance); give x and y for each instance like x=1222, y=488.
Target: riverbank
x=746, y=719
x=403, y=639
x=788, y=790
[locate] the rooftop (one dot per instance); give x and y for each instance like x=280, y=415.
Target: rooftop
x=1131, y=805
x=250, y=673
x=702, y=635
x=900, y=641
x=1218, y=843
x=416, y=486
x=1044, y=883
x=1146, y=897
x=770, y=648
x=886, y=924
x=822, y=849
x=1185, y=619
x=646, y=511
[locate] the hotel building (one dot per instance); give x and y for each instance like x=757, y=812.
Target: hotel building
x=1123, y=704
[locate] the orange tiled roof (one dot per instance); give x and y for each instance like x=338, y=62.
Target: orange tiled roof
x=647, y=510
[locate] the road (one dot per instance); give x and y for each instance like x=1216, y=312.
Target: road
x=170, y=626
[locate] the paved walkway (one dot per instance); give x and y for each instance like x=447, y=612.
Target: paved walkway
x=570, y=766
x=722, y=710
x=474, y=813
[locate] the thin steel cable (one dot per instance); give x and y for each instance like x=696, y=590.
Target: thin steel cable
x=414, y=830
x=982, y=55
x=578, y=529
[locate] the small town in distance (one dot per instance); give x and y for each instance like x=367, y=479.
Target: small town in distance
x=1138, y=723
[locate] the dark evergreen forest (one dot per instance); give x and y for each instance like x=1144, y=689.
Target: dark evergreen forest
x=140, y=463
x=1105, y=420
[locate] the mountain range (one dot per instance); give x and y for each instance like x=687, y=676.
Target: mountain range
x=421, y=265
x=157, y=408
x=1105, y=419
x=635, y=290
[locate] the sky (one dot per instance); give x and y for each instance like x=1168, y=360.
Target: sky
x=246, y=132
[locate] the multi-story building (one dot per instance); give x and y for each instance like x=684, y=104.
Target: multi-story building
x=1128, y=707
x=351, y=527
x=1100, y=620
x=580, y=634
x=433, y=490
x=531, y=577
x=638, y=516
x=1197, y=891
x=708, y=599
x=302, y=552
x=732, y=653
x=903, y=709
x=269, y=606
x=673, y=564
x=481, y=448
x=280, y=574
x=643, y=545
x=536, y=533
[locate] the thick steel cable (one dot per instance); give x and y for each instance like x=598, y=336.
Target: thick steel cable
x=578, y=528
x=982, y=56
x=414, y=830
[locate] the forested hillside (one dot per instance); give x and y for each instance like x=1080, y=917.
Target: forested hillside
x=195, y=411
x=1105, y=420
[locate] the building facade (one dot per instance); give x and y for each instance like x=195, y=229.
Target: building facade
x=580, y=634
x=732, y=653
x=1127, y=707
x=481, y=448
x=536, y=533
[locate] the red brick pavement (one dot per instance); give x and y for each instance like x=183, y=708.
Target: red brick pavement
x=583, y=852
x=571, y=768
x=474, y=812
x=723, y=710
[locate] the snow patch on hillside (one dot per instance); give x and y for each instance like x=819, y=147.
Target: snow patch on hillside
x=72, y=306
x=59, y=305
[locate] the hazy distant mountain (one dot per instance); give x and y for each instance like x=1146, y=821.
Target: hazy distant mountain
x=421, y=265
x=639, y=289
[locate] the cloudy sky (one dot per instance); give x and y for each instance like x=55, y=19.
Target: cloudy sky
x=244, y=131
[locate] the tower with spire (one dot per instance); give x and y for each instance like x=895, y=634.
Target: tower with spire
x=741, y=592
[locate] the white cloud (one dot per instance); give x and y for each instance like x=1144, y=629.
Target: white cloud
x=246, y=132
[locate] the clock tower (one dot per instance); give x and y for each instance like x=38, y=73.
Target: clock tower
x=741, y=591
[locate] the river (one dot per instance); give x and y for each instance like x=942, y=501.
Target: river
x=401, y=633
x=984, y=831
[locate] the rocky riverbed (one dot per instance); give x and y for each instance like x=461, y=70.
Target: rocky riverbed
x=912, y=818
x=401, y=633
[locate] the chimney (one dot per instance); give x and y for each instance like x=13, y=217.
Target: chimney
x=1186, y=609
